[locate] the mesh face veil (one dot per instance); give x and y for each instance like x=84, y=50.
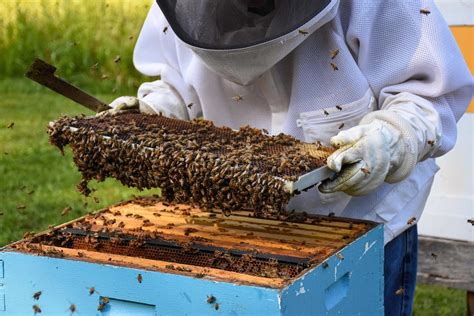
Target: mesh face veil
x=241, y=39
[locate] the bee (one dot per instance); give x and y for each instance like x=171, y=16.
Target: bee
x=331, y=214
x=431, y=143
x=95, y=66
x=400, y=291
x=165, y=29
x=216, y=306
x=334, y=66
x=425, y=11
x=411, y=221
x=20, y=206
x=339, y=107
x=211, y=299
x=96, y=199
x=103, y=303
x=200, y=275
x=325, y=112
x=11, y=125
x=435, y=256
x=36, y=309
x=117, y=59
x=80, y=254
x=471, y=221
x=325, y=265
x=66, y=210
x=365, y=170
x=104, y=77
x=30, y=192
x=72, y=308
x=139, y=278
x=91, y=291
x=333, y=53
x=339, y=256
x=265, y=131
x=303, y=32
x=131, y=37
x=237, y=98
x=37, y=295
x=341, y=126
x=189, y=230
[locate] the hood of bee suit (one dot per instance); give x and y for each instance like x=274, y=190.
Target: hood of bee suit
x=242, y=39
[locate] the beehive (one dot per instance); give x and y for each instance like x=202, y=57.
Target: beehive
x=147, y=257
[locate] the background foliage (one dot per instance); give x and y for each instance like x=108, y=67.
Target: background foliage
x=82, y=38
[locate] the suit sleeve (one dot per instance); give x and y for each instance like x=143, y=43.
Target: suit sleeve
x=415, y=68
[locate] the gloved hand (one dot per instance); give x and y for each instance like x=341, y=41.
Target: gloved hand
x=370, y=154
x=153, y=98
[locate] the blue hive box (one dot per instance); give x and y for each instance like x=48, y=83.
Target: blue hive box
x=152, y=258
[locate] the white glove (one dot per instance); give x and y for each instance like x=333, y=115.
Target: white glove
x=370, y=154
x=153, y=98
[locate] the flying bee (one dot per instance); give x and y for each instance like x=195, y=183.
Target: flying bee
x=341, y=126
x=339, y=256
x=216, y=306
x=365, y=170
x=334, y=66
x=36, y=309
x=117, y=59
x=139, y=278
x=303, y=32
x=435, y=256
x=431, y=143
x=72, y=308
x=11, y=125
x=339, y=107
x=411, y=221
x=400, y=291
x=237, y=98
x=211, y=299
x=333, y=53
x=37, y=295
x=190, y=105
x=425, y=11
x=165, y=29
x=326, y=112
x=91, y=290
x=66, y=210
x=471, y=221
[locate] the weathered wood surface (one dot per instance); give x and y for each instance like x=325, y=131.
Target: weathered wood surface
x=446, y=262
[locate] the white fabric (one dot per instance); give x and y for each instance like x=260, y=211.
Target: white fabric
x=244, y=65
x=367, y=154
x=160, y=97
x=386, y=50
x=153, y=98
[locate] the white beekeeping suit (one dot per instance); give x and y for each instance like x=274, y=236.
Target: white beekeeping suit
x=312, y=69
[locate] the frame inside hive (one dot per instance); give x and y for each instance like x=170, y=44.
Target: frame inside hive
x=154, y=235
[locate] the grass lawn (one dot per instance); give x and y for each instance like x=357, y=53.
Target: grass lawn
x=35, y=175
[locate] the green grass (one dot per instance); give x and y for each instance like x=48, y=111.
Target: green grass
x=74, y=35
x=29, y=163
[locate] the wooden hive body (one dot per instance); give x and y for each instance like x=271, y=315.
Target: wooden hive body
x=142, y=257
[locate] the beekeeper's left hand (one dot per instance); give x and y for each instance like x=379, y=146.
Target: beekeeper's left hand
x=368, y=155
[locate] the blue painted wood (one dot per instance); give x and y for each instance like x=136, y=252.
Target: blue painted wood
x=353, y=285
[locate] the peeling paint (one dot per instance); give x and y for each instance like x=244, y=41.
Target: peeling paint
x=367, y=248
x=301, y=290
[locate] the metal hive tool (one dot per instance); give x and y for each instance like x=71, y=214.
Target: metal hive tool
x=293, y=181
x=186, y=239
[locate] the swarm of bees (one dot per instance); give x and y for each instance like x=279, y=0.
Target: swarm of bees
x=191, y=162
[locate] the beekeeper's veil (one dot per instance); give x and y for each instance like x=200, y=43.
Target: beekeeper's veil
x=241, y=39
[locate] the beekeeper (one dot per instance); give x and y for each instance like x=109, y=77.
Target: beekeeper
x=384, y=81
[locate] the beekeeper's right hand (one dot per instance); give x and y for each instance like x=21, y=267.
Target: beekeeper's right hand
x=153, y=98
